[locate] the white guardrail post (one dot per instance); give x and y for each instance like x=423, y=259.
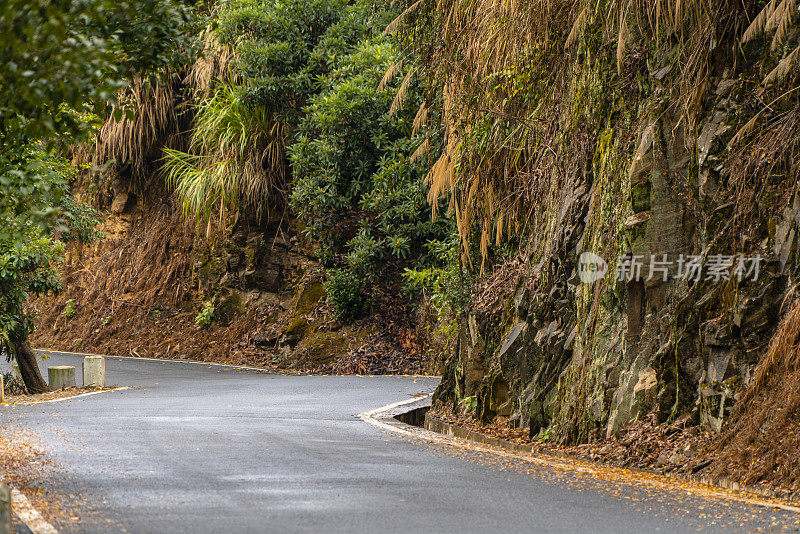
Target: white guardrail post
x=94, y=372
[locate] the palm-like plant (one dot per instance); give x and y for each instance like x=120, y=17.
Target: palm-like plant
x=235, y=156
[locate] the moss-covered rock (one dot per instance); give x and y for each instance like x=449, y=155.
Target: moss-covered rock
x=309, y=296
x=229, y=307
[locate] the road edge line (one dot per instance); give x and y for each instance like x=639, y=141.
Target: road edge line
x=87, y=394
x=23, y=509
x=384, y=418
x=196, y=362
x=64, y=399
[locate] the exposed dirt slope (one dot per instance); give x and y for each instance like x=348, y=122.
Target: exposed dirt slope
x=761, y=441
x=139, y=292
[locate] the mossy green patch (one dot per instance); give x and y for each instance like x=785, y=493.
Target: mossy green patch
x=640, y=197
x=229, y=307
x=297, y=326
x=308, y=297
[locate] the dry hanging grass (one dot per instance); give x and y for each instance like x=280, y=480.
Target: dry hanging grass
x=476, y=42
x=761, y=442
x=779, y=17
x=136, y=141
x=402, y=92
x=501, y=73
x=392, y=72
x=213, y=65
x=764, y=147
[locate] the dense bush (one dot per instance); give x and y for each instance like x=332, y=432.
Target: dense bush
x=442, y=278
x=318, y=89
x=356, y=187
x=345, y=294
x=282, y=47
x=237, y=154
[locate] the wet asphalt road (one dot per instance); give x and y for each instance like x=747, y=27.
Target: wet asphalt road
x=207, y=449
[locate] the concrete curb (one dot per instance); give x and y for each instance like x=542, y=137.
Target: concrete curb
x=451, y=435
x=727, y=488
x=6, y=511
x=384, y=417
x=28, y=515
x=165, y=360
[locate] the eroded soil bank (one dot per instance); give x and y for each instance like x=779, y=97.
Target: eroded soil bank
x=140, y=291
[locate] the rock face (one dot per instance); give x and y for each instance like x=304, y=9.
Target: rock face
x=654, y=335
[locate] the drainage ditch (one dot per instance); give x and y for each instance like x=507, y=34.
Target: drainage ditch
x=415, y=417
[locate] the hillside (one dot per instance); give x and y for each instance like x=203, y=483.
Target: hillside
x=583, y=214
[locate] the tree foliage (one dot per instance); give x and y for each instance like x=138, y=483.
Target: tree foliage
x=29, y=261
x=357, y=187
x=61, y=60
x=56, y=57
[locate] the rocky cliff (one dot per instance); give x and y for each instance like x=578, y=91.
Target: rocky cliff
x=660, y=250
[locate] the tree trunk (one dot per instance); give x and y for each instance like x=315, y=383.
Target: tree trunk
x=29, y=368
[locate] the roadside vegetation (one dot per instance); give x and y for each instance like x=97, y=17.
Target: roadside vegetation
x=61, y=63
x=409, y=187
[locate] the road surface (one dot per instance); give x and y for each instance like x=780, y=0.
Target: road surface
x=209, y=449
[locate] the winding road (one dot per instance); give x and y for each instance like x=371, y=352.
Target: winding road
x=208, y=449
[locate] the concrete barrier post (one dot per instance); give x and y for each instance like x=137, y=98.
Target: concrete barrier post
x=2, y=389
x=5, y=509
x=61, y=376
x=15, y=371
x=94, y=372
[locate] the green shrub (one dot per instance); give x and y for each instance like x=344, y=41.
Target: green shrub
x=224, y=166
x=275, y=46
x=471, y=405
x=442, y=278
x=345, y=294
x=81, y=220
x=69, y=309
x=357, y=188
x=545, y=434
x=283, y=48
x=206, y=315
